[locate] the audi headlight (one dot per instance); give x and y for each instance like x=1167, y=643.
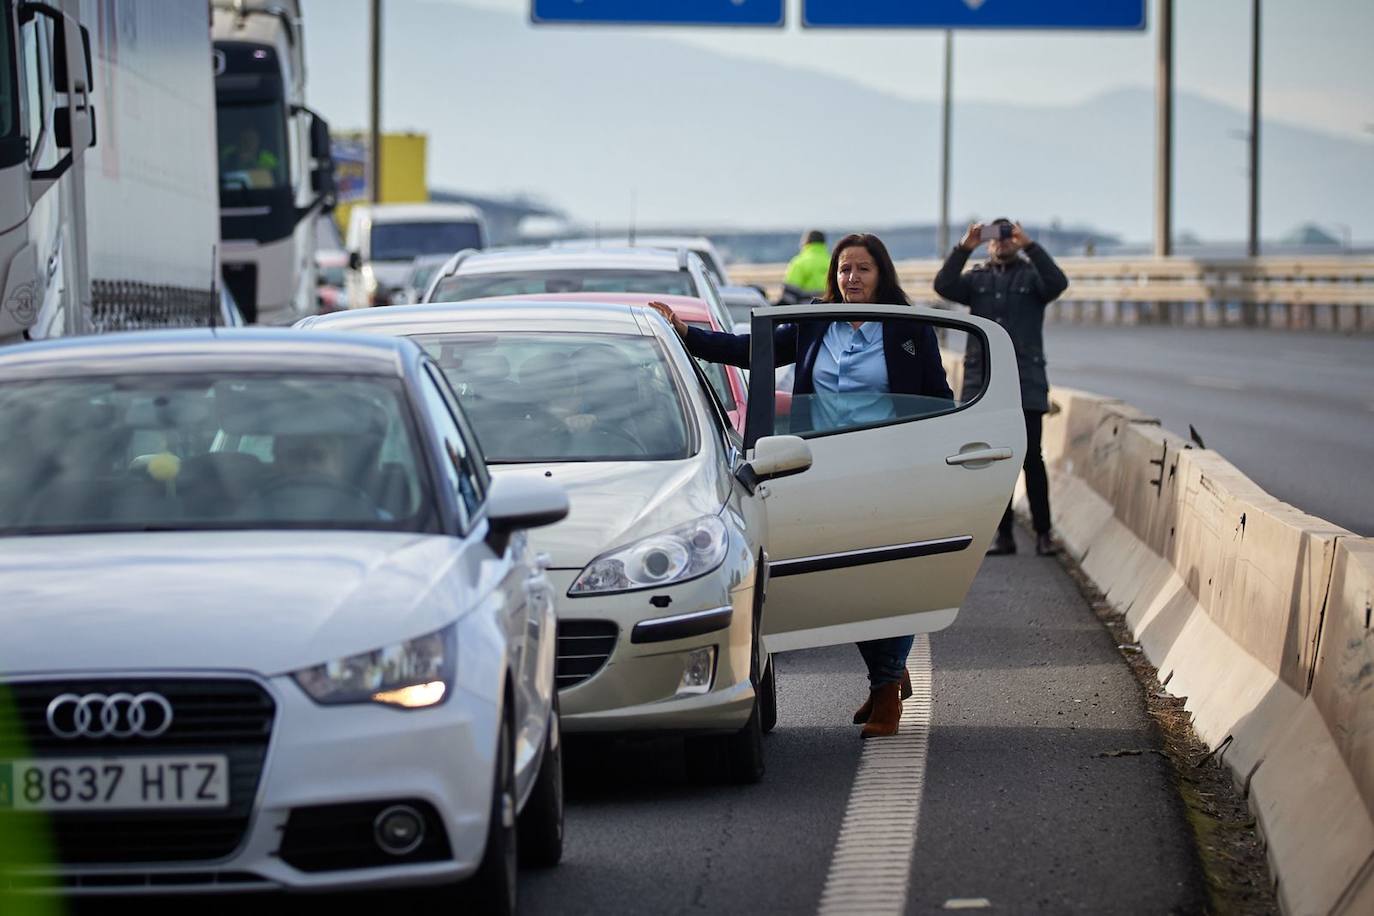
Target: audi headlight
x=675, y=555
x=411, y=674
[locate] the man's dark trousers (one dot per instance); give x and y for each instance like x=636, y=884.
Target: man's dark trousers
x=1037, y=483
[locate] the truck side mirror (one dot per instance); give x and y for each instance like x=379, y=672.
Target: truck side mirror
x=320, y=144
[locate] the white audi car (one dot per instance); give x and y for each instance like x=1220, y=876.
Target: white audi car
x=680, y=529
x=268, y=623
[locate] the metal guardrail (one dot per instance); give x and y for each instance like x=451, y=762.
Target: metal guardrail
x=1333, y=293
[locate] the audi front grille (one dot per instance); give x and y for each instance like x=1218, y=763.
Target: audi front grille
x=583, y=648
x=222, y=716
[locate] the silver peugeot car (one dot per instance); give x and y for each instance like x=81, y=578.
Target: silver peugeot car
x=679, y=528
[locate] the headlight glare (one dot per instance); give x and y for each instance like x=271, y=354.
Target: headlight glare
x=675, y=555
x=412, y=674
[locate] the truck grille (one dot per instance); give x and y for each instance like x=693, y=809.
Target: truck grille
x=230, y=717
x=583, y=648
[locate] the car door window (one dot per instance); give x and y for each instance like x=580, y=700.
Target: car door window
x=34, y=36
x=457, y=462
x=882, y=372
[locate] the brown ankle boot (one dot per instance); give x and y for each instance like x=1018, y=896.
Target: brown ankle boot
x=887, y=712
x=863, y=712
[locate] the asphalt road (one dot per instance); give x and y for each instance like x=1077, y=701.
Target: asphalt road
x=1019, y=807
x=1027, y=802
x=1294, y=411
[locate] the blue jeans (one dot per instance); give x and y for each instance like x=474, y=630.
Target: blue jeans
x=886, y=658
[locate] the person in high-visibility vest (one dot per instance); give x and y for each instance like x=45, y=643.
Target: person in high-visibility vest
x=248, y=156
x=805, y=277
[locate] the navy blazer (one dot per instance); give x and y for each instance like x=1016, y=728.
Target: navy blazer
x=910, y=349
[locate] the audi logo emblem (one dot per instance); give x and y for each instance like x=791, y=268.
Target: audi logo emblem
x=114, y=715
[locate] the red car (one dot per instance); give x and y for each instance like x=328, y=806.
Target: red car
x=727, y=381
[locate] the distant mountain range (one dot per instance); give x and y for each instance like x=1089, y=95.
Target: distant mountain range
x=590, y=120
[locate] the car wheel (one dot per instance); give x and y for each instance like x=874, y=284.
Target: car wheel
x=705, y=759
x=744, y=749
x=492, y=889
x=541, y=823
x=768, y=697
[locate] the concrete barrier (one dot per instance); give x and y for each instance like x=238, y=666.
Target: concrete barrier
x=1254, y=612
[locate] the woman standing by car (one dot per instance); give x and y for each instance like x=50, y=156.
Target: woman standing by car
x=850, y=366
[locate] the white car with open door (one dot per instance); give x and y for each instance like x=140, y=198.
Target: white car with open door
x=679, y=529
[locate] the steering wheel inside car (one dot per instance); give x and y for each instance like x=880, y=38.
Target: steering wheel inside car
x=311, y=497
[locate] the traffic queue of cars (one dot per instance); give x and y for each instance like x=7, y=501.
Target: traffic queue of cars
x=329, y=597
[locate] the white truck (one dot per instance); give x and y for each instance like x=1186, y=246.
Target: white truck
x=276, y=174
x=107, y=182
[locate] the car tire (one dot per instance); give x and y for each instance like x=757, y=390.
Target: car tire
x=704, y=758
x=768, y=697
x=744, y=749
x=493, y=888
x=541, y=823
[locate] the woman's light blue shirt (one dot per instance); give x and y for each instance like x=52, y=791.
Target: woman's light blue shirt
x=850, y=377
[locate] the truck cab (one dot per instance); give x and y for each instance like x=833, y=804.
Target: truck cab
x=47, y=123
x=275, y=166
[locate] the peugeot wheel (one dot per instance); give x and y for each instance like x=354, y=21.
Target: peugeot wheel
x=744, y=749
x=768, y=697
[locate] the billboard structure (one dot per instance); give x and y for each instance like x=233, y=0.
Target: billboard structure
x=404, y=178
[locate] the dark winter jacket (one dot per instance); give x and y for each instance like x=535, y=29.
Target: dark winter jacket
x=1013, y=295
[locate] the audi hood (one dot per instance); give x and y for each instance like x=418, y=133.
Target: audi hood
x=265, y=601
x=615, y=502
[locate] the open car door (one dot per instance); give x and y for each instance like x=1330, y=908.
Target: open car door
x=883, y=535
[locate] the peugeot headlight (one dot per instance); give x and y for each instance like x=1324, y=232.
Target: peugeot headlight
x=675, y=555
x=411, y=674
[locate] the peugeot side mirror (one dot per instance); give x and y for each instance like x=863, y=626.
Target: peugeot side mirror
x=774, y=457
x=517, y=501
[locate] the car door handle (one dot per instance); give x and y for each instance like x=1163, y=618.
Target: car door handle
x=979, y=456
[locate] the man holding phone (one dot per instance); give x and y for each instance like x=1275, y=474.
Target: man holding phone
x=1011, y=288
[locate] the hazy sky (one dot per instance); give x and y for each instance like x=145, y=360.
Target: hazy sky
x=1318, y=63
x=1318, y=67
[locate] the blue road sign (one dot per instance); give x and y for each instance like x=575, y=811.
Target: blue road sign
x=659, y=12
x=974, y=14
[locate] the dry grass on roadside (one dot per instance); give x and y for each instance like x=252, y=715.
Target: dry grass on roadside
x=1239, y=882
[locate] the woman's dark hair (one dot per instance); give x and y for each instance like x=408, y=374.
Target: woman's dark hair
x=889, y=291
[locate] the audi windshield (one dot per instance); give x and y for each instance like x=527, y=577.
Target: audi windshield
x=565, y=397
x=170, y=452
x=531, y=282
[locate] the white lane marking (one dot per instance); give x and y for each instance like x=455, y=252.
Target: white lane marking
x=968, y=903
x=871, y=867
x=1211, y=381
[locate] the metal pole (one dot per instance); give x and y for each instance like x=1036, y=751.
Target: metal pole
x=1253, y=245
x=944, y=144
x=1164, y=129
x=374, y=126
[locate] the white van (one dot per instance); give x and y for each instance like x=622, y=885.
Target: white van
x=384, y=239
